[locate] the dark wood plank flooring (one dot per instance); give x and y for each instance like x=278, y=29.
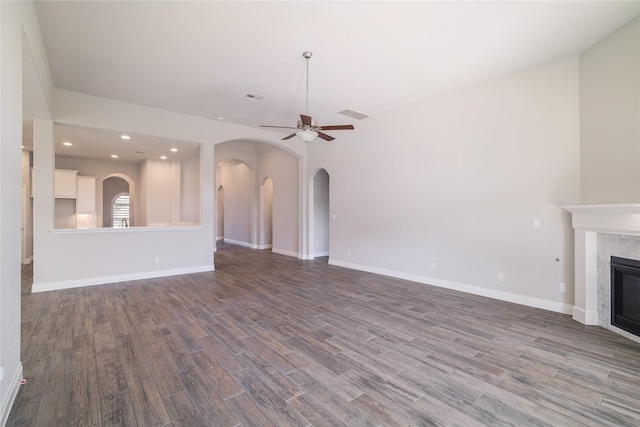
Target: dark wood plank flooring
x=269, y=340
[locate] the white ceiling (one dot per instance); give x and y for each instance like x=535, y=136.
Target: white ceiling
x=91, y=143
x=202, y=58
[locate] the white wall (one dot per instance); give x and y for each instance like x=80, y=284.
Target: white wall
x=239, y=221
x=266, y=213
x=321, y=213
x=282, y=169
x=237, y=180
x=18, y=22
x=27, y=215
x=142, y=208
x=610, y=118
x=457, y=180
x=219, y=210
x=190, y=190
x=157, y=197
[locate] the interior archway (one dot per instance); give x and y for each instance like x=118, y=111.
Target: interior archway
x=112, y=186
x=283, y=169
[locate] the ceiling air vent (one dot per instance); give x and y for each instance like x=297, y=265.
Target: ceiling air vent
x=353, y=114
x=254, y=97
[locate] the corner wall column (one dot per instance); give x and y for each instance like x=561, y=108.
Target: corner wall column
x=585, y=308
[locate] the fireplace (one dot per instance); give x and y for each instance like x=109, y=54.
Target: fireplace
x=625, y=294
x=600, y=232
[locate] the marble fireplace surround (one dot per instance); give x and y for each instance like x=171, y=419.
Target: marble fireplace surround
x=588, y=222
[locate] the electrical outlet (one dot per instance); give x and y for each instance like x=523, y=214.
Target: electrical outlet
x=536, y=222
x=348, y=253
x=433, y=265
x=562, y=287
x=500, y=277
x=157, y=260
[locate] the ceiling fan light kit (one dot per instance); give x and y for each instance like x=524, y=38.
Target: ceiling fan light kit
x=308, y=128
x=307, y=135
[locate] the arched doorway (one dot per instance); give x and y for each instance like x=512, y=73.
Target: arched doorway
x=287, y=232
x=320, y=214
x=118, y=198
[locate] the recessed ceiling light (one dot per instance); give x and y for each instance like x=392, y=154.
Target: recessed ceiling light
x=174, y=149
x=125, y=137
x=163, y=157
x=220, y=118
x=67, y=143
x=114, y=156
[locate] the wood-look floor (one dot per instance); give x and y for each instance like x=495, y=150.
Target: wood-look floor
x=269, y=340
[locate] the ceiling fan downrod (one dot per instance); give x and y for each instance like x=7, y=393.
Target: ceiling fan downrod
x=307, y=128
x=307, y=54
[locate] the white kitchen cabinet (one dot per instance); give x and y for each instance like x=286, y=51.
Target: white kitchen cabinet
x=86, y=200
x=66, y=186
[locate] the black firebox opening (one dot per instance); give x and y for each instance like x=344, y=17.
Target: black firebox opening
x=625, y=294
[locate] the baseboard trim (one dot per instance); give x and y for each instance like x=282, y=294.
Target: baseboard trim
x=544, y=304
x=584, y=317
x=320, y=254
x=10, y=397
x=239, y=243
x=92, y=281
x=283, y=252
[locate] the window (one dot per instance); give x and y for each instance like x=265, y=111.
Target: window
x=120, y=211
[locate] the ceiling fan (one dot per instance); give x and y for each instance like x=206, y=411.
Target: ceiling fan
x=308, y=129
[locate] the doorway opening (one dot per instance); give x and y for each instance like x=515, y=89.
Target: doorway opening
x=118, y=195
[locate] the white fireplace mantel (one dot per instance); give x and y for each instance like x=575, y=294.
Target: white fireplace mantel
x=588, y=221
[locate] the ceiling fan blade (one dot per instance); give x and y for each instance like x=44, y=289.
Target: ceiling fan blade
x=337, y=127
x=306, y=120
x=288, y=137
x=325, y=136
x=279, y=127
